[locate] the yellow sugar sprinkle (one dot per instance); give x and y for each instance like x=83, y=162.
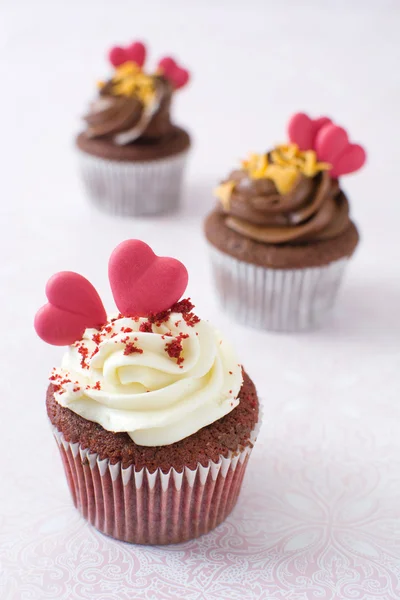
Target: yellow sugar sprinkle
x=224, y=192
x=284, y=177
x=129, y=80
x=286, y=162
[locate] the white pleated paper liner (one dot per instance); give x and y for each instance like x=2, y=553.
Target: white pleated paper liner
x=152, y=508
x=286, y=300
x=134, y=188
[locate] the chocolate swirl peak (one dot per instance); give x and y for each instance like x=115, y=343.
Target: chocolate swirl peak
x=284, y=197
x=131, y=105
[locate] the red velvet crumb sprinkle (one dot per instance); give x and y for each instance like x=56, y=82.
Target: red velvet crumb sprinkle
x=146, y=327
x=132, y=349
x=95, y=351
x=159, y=318
x=84, y=352
x=120, y=316
x=175, y=348
x=183, y=307
x=96, y=338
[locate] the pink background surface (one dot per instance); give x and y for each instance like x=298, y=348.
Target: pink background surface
x=319, y=516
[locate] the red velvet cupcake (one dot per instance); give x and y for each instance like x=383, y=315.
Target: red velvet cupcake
x=131, y=155
x=154, y=417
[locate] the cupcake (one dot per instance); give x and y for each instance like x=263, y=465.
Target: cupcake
x=131, y=155
x=153, y=415
x=281, y=235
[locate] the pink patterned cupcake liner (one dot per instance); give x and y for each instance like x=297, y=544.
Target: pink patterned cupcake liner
x=276, y=299
x=142, y=507
x=134, y=188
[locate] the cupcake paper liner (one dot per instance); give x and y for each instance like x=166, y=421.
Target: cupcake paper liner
x=134, y=188
x=152, y=508
x=276, y=299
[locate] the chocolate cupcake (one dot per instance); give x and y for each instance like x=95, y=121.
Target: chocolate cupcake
x=132, y=156
x=281, y=235
x=153, y=415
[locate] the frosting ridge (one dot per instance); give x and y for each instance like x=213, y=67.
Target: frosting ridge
x=159, y=381
x=284, y=196
x=127, y=111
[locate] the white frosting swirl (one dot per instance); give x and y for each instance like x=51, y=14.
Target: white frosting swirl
x=157, y=397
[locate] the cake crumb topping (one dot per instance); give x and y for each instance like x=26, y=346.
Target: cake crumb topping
x=174, y=348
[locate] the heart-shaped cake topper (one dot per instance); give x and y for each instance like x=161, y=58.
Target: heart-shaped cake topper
x=73, y=306
x=176, y=75
x=135, y=52
x=332, y=145
x=330, y=142
x=143, y=283
x=302, y=130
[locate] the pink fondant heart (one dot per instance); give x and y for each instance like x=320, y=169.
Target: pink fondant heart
x=166, y=64
x=143, y=283
x=136, y=52
x=302, y=130
x=332, y=145
x=73, y=306
x=350, y=160
x=331, y=141
x=117, y=56
x=318, y=124
x=175, y=74
x=180, y=77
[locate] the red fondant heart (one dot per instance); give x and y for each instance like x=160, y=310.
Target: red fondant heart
x=351, y=159
x=180, y=77
x=331, y=141
x=74, y=305
x=143, y=283
x=135, y=52
x=332, y=145
x=302, y=130
x=117, y=56
x=166, y=64
x=175, y=74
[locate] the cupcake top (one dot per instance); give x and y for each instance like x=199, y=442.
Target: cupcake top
x=134, y=104
x=154, y=370
x=291, y=194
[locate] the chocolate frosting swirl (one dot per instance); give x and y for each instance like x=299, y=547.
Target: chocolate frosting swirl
x=314, y=209
x=125, y=119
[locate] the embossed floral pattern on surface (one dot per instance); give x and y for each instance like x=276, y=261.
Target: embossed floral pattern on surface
x=318, y=518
